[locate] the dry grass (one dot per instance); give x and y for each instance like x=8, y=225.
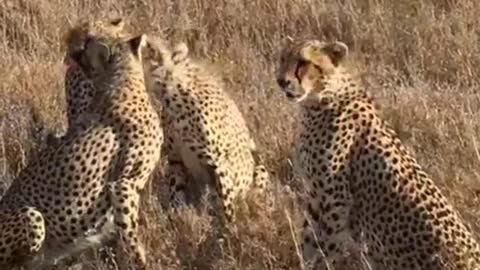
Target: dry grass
x=421, y=59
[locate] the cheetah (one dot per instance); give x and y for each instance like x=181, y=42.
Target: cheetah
x=206, y=135
x=362, y=183
x=82, y=191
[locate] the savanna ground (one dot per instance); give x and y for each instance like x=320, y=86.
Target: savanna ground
x=421, y=60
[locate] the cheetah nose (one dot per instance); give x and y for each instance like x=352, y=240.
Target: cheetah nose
x=283, y=83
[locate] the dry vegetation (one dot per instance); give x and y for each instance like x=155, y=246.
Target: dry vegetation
x=421, y=59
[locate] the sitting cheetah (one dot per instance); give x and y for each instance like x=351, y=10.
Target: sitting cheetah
x=361, y=179
x=80, y=192
x=205, y=133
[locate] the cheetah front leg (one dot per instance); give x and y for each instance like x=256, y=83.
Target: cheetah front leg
x=262, y=185
x=125, y=200
x=175, y=173
x=223, y=180
x=261, y=178
x=202, y=162
x=226, y=190
x=326, y=231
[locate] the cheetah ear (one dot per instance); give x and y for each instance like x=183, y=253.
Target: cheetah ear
x=311, y=51
x=137, y=44
x=156, y=50
x=180, y=52
x=337, y=51
x=74, y=39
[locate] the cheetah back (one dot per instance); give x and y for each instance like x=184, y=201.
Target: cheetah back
x=204, y=127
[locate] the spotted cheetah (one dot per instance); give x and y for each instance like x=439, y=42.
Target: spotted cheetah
x=205, y=132
x=363, y=184
x=80, y=192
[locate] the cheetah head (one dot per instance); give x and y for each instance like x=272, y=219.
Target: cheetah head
x=77, y=37
x=306, y=65
x=157, y=53
x=160, y=59
x=102, y=55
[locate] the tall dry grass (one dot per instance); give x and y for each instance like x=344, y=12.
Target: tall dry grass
x=419, y=58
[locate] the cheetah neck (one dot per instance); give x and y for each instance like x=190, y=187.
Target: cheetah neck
x=337, y=89
x=335, y=97
x=121, y=86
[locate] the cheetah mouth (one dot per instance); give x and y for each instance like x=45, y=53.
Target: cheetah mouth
x=291, y=95
x=73, y=58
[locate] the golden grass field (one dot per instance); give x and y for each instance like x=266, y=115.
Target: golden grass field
x=420, y=59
